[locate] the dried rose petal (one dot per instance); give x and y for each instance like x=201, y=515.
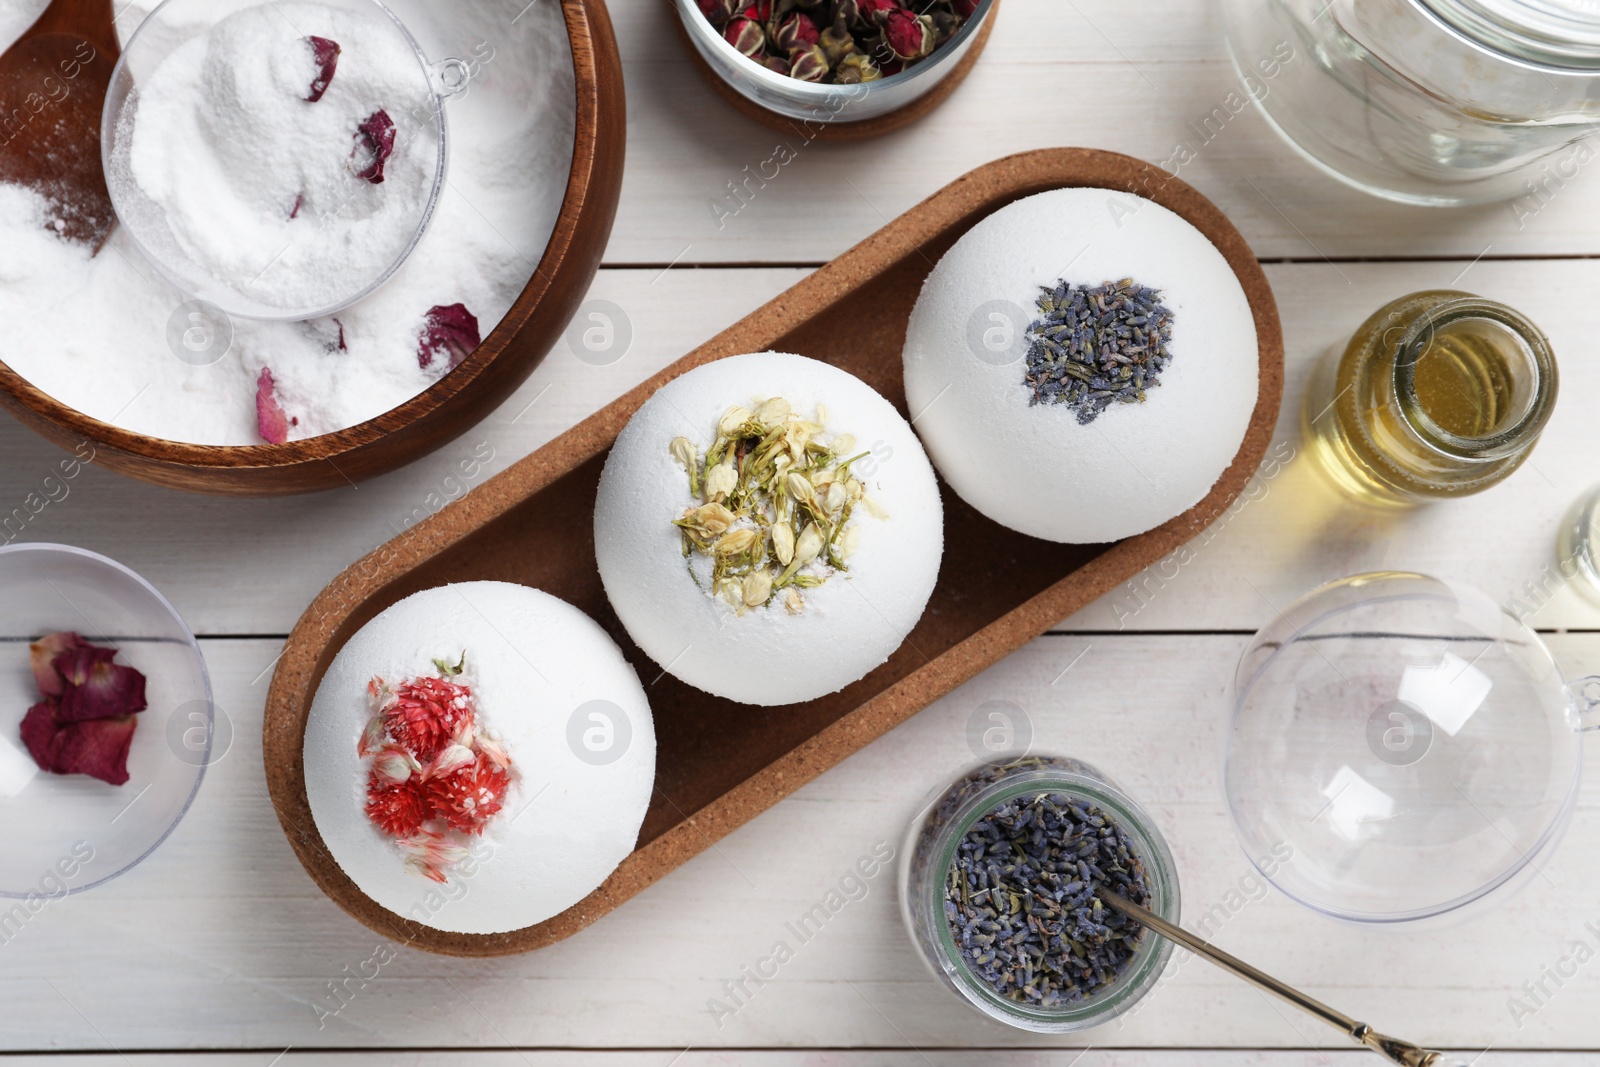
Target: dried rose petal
x=468, y=797
x=449, y=328
x=96, y=688
x=271, y=422
x=98, y=748
x=908, y=36
x=717, y=12
x=876, y=12
x=299, y=202
x=808, y=64
x=42, y=657
x=374, y=146
x=325, y=54
x=429, y=854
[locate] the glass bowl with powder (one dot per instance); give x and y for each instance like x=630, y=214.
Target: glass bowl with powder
x=999, y=885
x=278, y=160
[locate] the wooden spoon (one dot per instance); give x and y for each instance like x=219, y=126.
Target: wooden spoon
x=53, y=83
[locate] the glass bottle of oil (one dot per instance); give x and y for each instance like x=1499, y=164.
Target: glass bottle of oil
x=1438, y=394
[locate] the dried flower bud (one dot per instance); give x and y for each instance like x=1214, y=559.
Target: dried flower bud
x=783, y=542
x=757, y=588
x=846, y=11
x=683, y=451
x=371, y=737
x=837, y=42
x=800, y=487
x=395, y=764
x=844, y=445
x=731, y=590
x=736, y=541
x=848, y=542
x=855, y=489
x=776, y=64
x=874, y=508
x=909, y=36
x=760, y=10
x=714, y=519
x=720, y=481
x=808, y=64
x=809, y=546
x=837, y=494
x=965, y=8
x=773, y=411
x=796, y=32
x=792, y=602
x=718, y=12
x=855, y=68
x=746, y=35
x=732, y=419
x=877, y=12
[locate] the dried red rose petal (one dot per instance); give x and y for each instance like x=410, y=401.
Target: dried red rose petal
x=468, y=797
x=374, y=146
x=299, y=202
x=796, y=32
x=717, y=12
x=450, y=329
x=809, y=64
x=97, y=688
x=397, y=808
x=271, y=422
x=97, y=747
x=877, y=12
x=746, y=35
x=426, y=714
x=909, y=36
x=325, y=54
x=42, y=658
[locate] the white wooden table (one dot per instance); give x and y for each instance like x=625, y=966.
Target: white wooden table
x=219, y=947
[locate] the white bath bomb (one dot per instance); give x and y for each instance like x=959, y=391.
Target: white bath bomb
x=1034, y=468
x=769, y=654
x=569, y=712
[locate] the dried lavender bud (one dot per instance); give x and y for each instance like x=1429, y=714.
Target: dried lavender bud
x=856, y=68
x=325, y=54
x=718, y=12
x=796, y=32
x=746, y=35
x=909, y=36
x=1021, y=898
x=809, y=64
x=374, y=146
x=1092, y=348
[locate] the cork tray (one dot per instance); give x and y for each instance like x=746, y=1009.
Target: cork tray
x=719, y=763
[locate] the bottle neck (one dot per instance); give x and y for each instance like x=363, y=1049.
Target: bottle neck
x=1559, y=34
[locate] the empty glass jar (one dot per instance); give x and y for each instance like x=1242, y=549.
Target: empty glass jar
x=1429, y=101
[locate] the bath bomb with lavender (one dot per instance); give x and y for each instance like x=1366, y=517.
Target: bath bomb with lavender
x=1083, y=365
x=768, y=528
x=479, y=757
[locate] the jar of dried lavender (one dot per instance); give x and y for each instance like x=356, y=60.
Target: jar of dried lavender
x=998, y=889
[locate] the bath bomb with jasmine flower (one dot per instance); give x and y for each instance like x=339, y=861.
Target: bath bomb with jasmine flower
x=768, y=528
x=1084, y=365
x=479, y=757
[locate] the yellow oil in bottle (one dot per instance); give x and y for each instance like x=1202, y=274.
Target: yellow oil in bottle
x=1438, y=394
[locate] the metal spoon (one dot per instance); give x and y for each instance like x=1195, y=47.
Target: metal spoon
x=53, y=83
x=1402, y=1052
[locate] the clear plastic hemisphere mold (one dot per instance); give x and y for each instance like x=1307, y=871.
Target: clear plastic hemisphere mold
x=1407, y=744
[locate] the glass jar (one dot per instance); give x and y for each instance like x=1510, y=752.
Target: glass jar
x=817, y=102
x=930, y=850
x=1428, y=101
x=1578, y=546
x=1438, y=394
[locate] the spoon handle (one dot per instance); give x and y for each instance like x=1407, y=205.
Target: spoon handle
x=1400, y=1052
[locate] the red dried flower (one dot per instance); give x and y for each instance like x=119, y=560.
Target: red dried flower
x=796, y=32
x=42, y=658
x=96, y=688
x=271, y=422
x=909, y=36
x=96, y=747
x=449, y=329
x=964, y=8
x=426, y=715
x=746, y=35
x=325, y=54
x=467, y=797
x=374, y=146
x=876, y=12
x=397, y=808
x=717, y=12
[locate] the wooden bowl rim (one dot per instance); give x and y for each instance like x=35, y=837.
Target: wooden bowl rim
x=581, y=178
x=308, y=649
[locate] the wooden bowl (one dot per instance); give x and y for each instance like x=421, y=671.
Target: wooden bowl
x=859, y=130
x=720, y=763
x=456, y=402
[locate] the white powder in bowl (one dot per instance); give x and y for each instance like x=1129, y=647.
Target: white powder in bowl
x=94, y=332
x=536, y=666
x=261, y=198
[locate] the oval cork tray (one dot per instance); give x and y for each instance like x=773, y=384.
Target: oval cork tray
x=456, y=402
x=719, y=763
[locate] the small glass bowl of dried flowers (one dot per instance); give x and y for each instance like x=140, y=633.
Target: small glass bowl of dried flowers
x=827, y=62
x=106, y=721
x=999, y=883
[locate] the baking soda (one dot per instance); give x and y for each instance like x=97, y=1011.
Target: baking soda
x=108, y=336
